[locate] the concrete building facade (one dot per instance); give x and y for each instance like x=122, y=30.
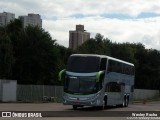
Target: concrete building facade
x=78, y=37
x=5, y=18
x=31, y=19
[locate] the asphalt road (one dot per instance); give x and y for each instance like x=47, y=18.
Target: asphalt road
x=65, y=112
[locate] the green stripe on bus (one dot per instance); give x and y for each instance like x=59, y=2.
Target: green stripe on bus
x=60, y=74
x=98, y=75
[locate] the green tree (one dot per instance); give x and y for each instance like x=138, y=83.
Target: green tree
x=6, y=55
x=36, y=57
x=62, y=57
x=97, y=45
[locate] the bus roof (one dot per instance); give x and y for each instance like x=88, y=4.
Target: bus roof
x=104, y=56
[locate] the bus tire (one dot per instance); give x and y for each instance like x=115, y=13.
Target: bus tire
x=74, y=107
x=105, y=99
x=123, y=103
x=127, y=101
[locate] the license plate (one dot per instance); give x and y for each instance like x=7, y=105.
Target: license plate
x=77, y=102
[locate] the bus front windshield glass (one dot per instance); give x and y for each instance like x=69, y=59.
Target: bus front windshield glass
x=81, y=85
x=83, y=64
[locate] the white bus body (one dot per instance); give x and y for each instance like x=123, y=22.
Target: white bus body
x=97, y=80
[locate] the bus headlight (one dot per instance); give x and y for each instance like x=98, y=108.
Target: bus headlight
x=65, y=96
x=94, y=96
x=64, y=101
x=97, y=95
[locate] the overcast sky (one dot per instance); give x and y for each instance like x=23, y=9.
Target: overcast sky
x=119, y=20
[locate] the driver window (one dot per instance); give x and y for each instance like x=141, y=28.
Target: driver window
x=103, y=64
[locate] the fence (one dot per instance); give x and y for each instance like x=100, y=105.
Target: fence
x=29, y=93
x=140, y=94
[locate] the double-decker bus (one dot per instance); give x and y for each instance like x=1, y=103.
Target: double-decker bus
x=97, y=80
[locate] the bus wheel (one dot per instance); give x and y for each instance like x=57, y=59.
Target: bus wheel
x=123, y=104
x=105, y=99
x=126, y=102
x=74, y=107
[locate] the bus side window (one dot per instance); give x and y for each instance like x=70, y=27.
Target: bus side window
x=122, y=87
x=132, y=88
x=109, y=69
x=103, y=64
x=132, y=70
x=129, y=70
x=111, y=66
x=124, y=68
x=113, y=87
x=119, y=67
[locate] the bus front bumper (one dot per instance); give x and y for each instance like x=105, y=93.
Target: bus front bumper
x=93, y=102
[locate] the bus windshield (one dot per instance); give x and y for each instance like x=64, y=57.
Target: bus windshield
x=83, y=64
x=81, y=85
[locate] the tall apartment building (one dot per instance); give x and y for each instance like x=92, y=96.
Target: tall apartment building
x=78, y=36
x=31, y=19
x=5, y=18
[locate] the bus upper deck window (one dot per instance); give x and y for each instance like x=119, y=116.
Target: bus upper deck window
x=103, y=64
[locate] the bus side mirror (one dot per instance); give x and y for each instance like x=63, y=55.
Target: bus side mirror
x=98, y=75
x=61, y=75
